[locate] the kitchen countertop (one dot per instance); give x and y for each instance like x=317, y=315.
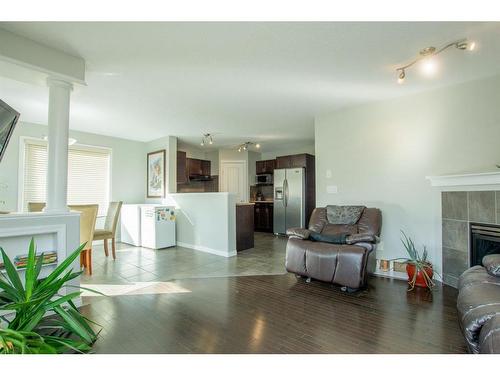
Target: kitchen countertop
x=268, y=202
x=245, y=204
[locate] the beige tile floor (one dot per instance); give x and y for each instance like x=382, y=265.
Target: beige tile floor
x=137, y=264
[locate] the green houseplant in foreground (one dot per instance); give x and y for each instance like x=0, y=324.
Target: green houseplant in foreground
x=418, y=267
x=62, y=330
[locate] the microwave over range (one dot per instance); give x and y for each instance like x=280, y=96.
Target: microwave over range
x=264, y=179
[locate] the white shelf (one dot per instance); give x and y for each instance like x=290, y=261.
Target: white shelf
x=391, y=274
x=471, y=179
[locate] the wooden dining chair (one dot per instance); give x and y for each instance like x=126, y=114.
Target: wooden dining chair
x=109, y=230
x=88, y=217
x=36, y=206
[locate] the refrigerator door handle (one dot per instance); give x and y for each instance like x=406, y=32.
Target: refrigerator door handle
x=285, y=193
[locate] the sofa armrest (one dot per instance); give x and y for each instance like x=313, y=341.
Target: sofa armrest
x=300, y=233
x=361, y=237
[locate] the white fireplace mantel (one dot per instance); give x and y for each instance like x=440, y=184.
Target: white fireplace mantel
x=472, y=179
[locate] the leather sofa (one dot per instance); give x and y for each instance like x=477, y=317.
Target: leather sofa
x=343, y=264
x=478, y=305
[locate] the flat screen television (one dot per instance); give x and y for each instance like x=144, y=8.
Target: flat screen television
x=8, y=120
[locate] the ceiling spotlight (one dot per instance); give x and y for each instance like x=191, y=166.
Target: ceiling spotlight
x=426, y=57
x=207, y=138
x=429, y=66
x=245, y=146
x=401, y=77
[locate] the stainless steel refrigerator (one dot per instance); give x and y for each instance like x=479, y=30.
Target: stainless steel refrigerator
x=289, y=199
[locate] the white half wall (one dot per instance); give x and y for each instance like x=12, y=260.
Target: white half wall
x=379, y=155
x=206, y=221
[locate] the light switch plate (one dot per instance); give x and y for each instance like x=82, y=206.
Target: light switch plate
x=328, y=173
x=332, y=189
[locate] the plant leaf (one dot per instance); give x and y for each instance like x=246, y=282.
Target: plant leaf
x=12, y=273
x=74, y=324
x=30, y=270
x=63, y=265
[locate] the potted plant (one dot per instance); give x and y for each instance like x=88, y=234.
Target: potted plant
x=43, y=321
x=418, y=267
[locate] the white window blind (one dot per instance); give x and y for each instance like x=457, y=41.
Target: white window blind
x=88, y=175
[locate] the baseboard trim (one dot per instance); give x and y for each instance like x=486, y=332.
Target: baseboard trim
x=207, y=249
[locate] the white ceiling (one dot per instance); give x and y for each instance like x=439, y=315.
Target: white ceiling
x=261, y=82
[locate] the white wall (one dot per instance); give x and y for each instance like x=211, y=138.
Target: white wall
x=379, y=155
x=128, y=180
x=191, y=151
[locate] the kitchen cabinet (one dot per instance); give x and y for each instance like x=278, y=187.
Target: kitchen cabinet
x=263, y=217
x=181, y=167
x=265, y=166
x=244, y=226
x=194, y=167
x=293, y=161
x=205, y=167
x=198, y=167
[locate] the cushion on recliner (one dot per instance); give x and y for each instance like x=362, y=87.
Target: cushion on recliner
x=335, y=229
x=340, y=238
x=344, y=215
x=492, y=264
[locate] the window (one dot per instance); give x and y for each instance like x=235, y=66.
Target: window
x=88, y=174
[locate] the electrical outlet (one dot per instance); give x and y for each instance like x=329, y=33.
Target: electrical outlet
x=332, y=189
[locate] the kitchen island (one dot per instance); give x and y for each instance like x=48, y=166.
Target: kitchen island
x=244, y=226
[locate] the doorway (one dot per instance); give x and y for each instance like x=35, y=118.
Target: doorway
x=234, y=178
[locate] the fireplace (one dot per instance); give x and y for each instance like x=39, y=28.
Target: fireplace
x=484, y=240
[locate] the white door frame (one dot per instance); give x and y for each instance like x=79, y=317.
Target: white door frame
x=245, y=175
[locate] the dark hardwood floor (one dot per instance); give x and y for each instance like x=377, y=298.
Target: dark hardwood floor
x=277, y=313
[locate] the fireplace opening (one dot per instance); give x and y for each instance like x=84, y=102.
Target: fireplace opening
x=484, y=240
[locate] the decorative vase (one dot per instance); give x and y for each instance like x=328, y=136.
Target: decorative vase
x=420, y=279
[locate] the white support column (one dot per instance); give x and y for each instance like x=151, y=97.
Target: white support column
x=57, y=168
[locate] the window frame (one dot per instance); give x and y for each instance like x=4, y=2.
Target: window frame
x=24, y=140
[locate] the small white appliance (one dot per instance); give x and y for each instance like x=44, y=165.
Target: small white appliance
x=132, y=223
x=157, y=226
x=130, y=219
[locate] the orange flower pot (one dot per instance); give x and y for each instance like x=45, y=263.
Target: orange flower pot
x=420, y=279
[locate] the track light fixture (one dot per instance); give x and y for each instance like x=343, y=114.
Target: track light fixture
x=207, y=138
x=246, y=145
x=426, y=56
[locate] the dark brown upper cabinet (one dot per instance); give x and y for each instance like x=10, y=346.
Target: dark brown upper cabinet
x=205, y=167
x=265, y=166
x=198, y=167
x=292, y=161
x=182, y=177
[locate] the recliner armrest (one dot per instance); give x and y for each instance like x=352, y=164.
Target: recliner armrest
x=361, y=237
x=300, y=233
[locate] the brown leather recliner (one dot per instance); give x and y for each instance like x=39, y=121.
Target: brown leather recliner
x=478, y=305
x=343, y=264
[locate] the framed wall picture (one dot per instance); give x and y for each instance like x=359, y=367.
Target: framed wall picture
x=156, y=174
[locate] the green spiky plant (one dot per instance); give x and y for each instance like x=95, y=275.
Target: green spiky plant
x=44, y=321
x=420, y=262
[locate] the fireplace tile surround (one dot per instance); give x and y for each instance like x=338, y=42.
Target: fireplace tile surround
x=458, y=210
